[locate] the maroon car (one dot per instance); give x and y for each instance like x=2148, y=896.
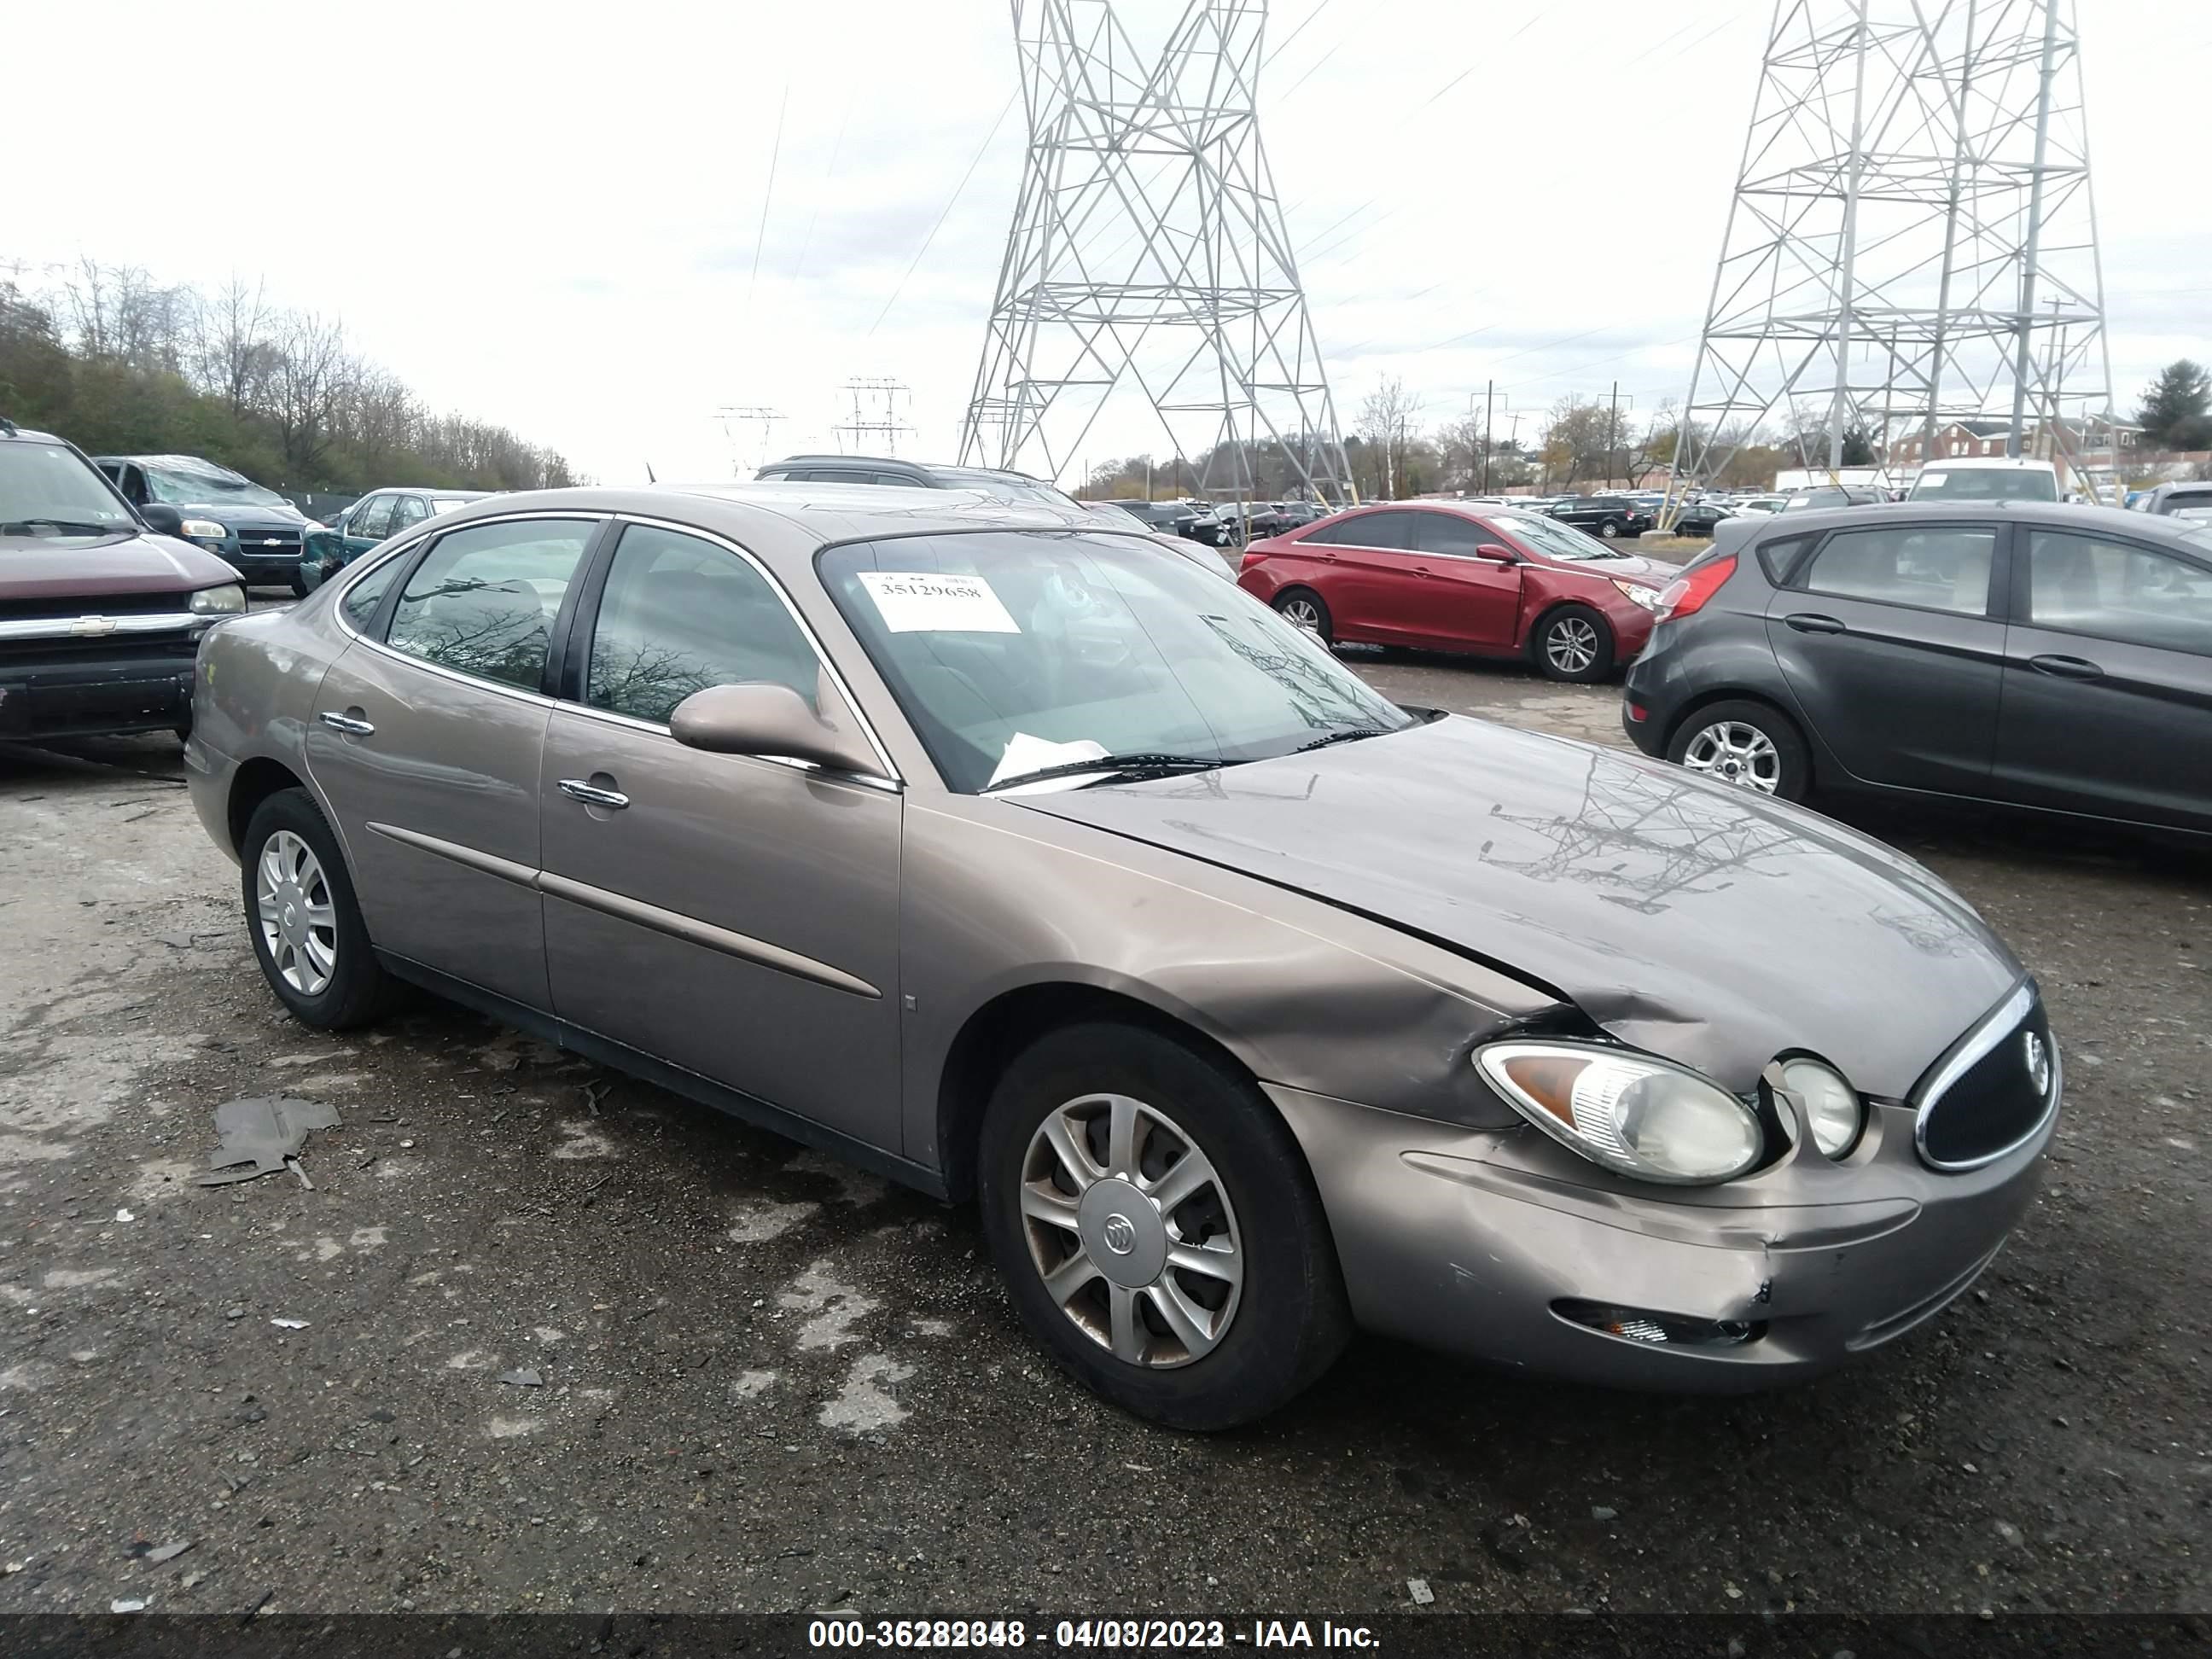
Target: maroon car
x=1444, y=577
x=100, y=616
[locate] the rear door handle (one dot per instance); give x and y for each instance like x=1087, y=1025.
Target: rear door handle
x=1806, y=622
x=592, y=795
x=350, y=724
x=2066, y=668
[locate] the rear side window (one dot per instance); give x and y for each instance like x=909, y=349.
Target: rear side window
x=360, y=603
x=484, y=600
x=1395, y=530
x=373, y=519
x=1930, y=567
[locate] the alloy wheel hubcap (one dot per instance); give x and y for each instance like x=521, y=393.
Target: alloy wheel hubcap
x=297, y=919
x=1302, y=616
x=1571, y=645
x=1130, y=1228
x=1736, y=753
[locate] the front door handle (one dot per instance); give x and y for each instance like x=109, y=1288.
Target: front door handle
x=1806, y=622
x=351, y=724
x=1420, y=570
x=2066, y=668
x=592, y=795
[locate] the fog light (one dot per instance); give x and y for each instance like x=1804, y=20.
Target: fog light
x=1659, y=1330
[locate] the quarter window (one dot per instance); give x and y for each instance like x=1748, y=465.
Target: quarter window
x=1928, y=565
x=679, y=615
x=484, y=599
x=360, y=605
x=2117, y=591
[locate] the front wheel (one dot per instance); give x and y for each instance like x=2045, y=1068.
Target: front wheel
x=1748, y=744
x=306, y=929
x=1158, y=1228
x=1575, y=643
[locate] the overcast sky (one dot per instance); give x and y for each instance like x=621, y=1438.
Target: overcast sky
x=560, y=217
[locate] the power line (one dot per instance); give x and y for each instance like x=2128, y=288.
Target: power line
x=768, y=196
x=951, y=202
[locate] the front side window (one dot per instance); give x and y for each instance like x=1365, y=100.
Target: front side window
x=1451, y=535
x=372, y=519
x=483, y=602
x=679, y=615
x=2117, y=591
x=1010, y=651
x=1935, y=567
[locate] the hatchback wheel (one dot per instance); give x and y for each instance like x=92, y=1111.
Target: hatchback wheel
x=1575, y=643
x=1748, y=744
x=306, y=929
x=1158, y=1229
x=1306, y=611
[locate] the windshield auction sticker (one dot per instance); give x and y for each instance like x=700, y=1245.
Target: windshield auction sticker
x=911, y=602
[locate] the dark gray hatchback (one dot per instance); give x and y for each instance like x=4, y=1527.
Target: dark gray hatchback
x=2047, y=657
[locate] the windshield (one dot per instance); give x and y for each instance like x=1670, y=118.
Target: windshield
x=1985, y=484
x=48, y=490
x=1553, y=539
x=190, y=487
x=1012, y=651
x=1004, y=488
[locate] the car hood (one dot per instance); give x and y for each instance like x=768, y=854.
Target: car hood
x=247, y=515
x=1692, y=919
x=82, y=567
x=1632, y=566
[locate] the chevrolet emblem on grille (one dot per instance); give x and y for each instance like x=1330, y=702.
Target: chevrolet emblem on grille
x=91, y=626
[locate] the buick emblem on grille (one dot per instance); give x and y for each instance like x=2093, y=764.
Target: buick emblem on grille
x=2037, y=1054
x=86, y=628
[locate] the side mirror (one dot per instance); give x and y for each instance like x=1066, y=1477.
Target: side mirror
x=1497, y=550
x=758, y=718
x=160, y=516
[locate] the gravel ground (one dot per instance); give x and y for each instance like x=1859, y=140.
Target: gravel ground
x=565, y=1342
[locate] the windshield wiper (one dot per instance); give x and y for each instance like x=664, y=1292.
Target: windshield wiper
x=67, y=526
x=1345, y=736
x=1113, y=764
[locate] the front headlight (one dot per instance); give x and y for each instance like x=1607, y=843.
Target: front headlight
x=1827, y=1105
x=1646, y=596
x=202, y=530
x=1635, y=1114
x=226, y=601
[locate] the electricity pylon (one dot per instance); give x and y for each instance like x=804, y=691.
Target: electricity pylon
x=1148, y=256
x=1912, y=241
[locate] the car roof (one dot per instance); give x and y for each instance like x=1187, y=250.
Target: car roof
x=24, y=435
x=432, y=489
x=181, y=462
x=1989, y=464
x=2063, y=515
x=919, y=469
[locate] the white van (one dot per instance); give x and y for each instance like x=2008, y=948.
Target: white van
x=1989, y=479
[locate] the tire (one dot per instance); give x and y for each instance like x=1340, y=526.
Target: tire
x=1292, y=600
x=1575, y=644
x=353, y=988
x=1752, y=746
x=1610, y=529
x=298, y=583
x=1266, y=1338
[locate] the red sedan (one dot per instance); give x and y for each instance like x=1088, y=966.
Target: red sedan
x=1443, y=577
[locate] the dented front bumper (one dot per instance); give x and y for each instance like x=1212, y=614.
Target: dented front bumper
x=1493, y=1244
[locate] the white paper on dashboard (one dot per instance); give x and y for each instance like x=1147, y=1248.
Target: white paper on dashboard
x=918, y=602
x=1027, y=754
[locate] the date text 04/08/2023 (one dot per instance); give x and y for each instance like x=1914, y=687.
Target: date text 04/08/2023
x=1108, y=1634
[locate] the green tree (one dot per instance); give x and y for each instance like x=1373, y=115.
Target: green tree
x=2176, y=413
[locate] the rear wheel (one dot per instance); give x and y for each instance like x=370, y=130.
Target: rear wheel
x=1158, y=1229
x=1746, y=743
x=1574, y=643
x=306, y=927
x=1306, y=610
x=1610, y=529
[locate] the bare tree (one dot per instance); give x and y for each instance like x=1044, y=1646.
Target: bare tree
x=307, y=384
x=1386, y=425
x=233, y=351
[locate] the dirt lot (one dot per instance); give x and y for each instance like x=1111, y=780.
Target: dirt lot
x=765, y=1381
